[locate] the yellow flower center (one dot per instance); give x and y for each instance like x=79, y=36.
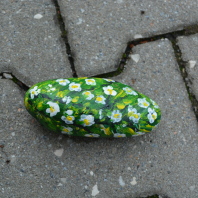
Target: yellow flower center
x=135, y=116
x=128, y=90
x=66, y=130
x=74, y=86
x=62, y=81
x=116, y=115
x=154, y=116
x=69, y=118
x=145, y=104
x=86, y=121
x=99, y=99
x=90, y=81
x=33, y=92
x=132, y=114
x=52, y=109
x=87, y=93
x=110, y=91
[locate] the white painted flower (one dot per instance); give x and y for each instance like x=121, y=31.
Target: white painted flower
x=152, y=115
x=34, y=92
x=67, y=99
x=69, y=112
x=68, y=119
x=92, y=135
x=51, y=88
x=63, y=81
x=74, y=87
x=119, y=135
x=53, y=109
x=129, y=91
x=100, y=114
x=116, y=116
x=100, y=99
x=154, y=103
x=90, y=81
x=109, y=90
x=143, y=103
x=67, y=130
x=87, y=120
x=108, y=80
x=88, y=95
x=133, y=115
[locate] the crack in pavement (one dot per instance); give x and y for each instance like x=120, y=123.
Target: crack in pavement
x=22, y=85
x=64, y=37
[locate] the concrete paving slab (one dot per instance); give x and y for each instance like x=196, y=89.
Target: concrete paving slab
x=37, y=163
x=189, y=48
x=174, y=143
x=31, y=47
x=98, y=31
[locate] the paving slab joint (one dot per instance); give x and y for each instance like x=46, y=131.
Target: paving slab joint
x=183, y=65
x=64, y=37
x=10, y=76
x=172, y=37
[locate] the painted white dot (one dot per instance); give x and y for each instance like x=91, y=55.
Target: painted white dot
x=129, y=168
x=121, y=182
x=38, y=16
x=133, y=182
x=58, y=152
x=95, y=190
x=13, y=133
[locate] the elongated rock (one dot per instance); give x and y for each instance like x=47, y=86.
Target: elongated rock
x=92, y=107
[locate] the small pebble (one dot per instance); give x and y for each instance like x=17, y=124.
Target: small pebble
x=191, y=64
x=7, y=76
x=121, y=182
x=133, y=182
x=38, y=16
x=95, y=190
x=91, y=173
x=135, y=57
x=58, y=152
x=137, y=36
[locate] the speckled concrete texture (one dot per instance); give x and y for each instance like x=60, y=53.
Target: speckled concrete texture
x=189, y=48
x=31, y=45
x=100, y=30
x=35, y=162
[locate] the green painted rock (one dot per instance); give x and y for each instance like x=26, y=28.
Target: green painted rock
x=92, y=107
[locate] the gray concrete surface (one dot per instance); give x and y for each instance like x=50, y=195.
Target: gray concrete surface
x=189, y=47
x=31, y=46
x=37, y=163
x=100, y=30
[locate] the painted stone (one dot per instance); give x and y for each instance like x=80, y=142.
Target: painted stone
x=92, y=107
